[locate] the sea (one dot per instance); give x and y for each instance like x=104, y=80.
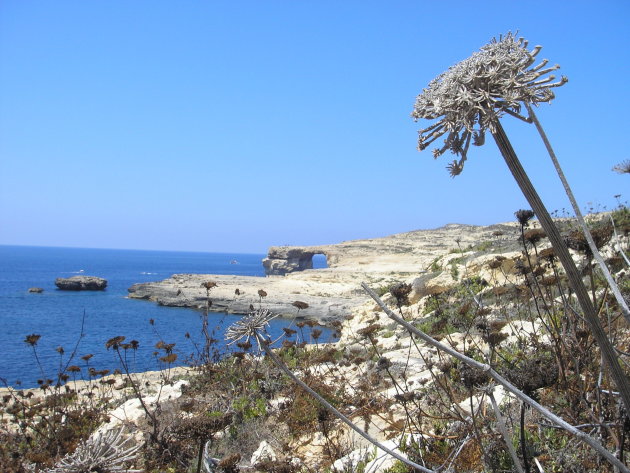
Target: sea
x=73, y=324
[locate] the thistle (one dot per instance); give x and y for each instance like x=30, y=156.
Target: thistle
x=467, y=100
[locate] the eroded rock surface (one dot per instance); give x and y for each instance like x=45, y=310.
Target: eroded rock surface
x=333, y=292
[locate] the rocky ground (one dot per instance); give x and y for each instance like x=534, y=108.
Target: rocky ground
x=376, y=367
x=330, y=293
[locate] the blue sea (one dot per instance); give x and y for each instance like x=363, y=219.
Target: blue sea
x=57, y=316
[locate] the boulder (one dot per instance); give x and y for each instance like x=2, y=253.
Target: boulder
x=264, y=452
x=35, y=290
x=81, y=283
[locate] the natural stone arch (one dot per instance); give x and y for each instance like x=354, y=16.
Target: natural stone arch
x=282, y=260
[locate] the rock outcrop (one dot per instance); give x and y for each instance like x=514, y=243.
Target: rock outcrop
x=282, y=260
x=81, y=283
x=327, y=301
x=35, y=290
x=332, y=293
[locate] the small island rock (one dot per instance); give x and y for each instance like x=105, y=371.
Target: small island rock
x=35, y=290
x=81, y=283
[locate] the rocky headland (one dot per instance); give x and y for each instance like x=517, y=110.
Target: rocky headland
x=332, y=293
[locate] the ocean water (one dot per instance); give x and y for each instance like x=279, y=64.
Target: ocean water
x=59, y=315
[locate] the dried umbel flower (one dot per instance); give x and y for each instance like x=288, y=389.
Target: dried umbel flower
x=623, y=167
x=534, y=235
x=547, y=254
x=496, y=262
x=107, y=453
x=524, y=216
x=370, y=330
x=289, y=332
x=470, y=96
x=401, y=293
x=251, y=325
x=300, y=305
x=32, y=339
x=170, y=358
x=114, y=342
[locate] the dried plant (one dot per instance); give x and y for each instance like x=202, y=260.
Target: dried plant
x=487, y=370
x=107, y=453
x=255, y=326
x=623, y=167
x=250, y=326
x=470, y=96
x=467, y=100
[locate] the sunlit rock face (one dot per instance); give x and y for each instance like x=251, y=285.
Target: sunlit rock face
x=284, y=259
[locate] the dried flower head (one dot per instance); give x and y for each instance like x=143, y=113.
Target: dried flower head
x=300, y=305
x=111, y=452
x=496, y=262
x=470, y=96
x=254, y=323
x=170, y=358
x=289, y=332
x=401, y=293
x=114, y=342
x=524, y=216
x=623, y=167
x=548, y=254
x=32, y=339
x=534, y=235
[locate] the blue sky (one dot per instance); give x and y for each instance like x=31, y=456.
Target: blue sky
x=236, y=125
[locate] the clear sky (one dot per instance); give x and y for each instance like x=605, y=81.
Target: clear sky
x=236, y=125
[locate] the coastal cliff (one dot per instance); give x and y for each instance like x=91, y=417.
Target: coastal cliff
x=331, y=293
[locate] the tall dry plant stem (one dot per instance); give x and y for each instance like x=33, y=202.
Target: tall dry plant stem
x=581, y=436
x=578, y=215
x=562, y=252
x=329, y=407
x=467, y=101
x=504, y=431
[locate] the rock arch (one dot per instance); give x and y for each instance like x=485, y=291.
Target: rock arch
x=282, y=260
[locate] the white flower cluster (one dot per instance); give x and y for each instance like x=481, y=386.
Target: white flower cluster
x=470, y=96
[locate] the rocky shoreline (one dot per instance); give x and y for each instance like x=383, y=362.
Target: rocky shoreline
x=331, y=293
x=239, y=294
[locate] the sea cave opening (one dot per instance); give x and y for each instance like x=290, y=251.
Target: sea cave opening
x=319, y=261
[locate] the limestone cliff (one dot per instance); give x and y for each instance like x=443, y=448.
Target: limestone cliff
x=333, y=292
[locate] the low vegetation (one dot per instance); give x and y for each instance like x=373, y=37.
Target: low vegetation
x=387, y=381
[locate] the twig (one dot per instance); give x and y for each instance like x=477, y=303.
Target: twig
x=578, y=215
x=504, y=431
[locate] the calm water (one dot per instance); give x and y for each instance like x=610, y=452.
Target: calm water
x=57, y=315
